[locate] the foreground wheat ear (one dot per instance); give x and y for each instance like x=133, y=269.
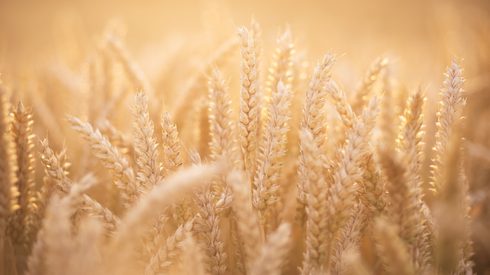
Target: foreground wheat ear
x=292, y=179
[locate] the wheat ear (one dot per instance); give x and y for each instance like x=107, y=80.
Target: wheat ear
x=271, y=154
x=55, y=170
x=111, y=158
x=342, y=191
x=136, y=221
x=416, y=227
x=250, y=99
x=172, y=149
x=361, y=95
x=316, y=253
x=280, y=69
x=372, y=192
x=313, y=110
x=8, y=190
x=314, y=118
x=208, y=228
x=347, y=239
x=26, y=216
x=387, y=118
x=449, y=108
x=172, y=161
x=339, y=100
x=372, y=188
x=120, y=140
x=220, y=121
x=168, y=253
x=146, y=148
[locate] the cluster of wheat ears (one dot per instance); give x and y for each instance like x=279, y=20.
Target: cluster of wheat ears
x=298, y=177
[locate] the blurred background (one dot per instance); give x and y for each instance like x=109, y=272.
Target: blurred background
x=423, y=34
x=45, y=45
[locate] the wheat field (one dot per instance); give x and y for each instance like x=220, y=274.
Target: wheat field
x=242, y=147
